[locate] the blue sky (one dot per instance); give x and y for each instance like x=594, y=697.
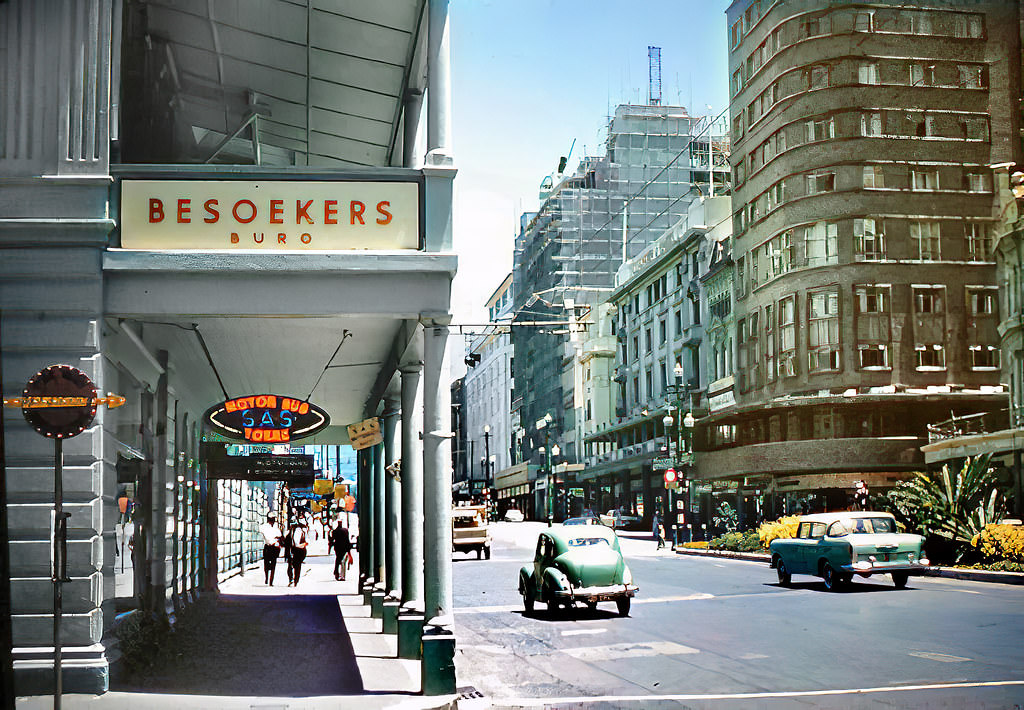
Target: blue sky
x=529, y=76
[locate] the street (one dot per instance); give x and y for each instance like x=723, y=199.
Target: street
x=709, y=632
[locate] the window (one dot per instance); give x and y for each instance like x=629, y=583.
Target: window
x=664, y=330
x=978, y=241
x=868, y=73
x=769, y=342
x=871, y=124
x=677, y=321
x=735, y=33
x=821, y=243
x=930, y=356
x=737, y=81
x=821, y=182
x=974, y=128
x=984, y=357
x=979, y=182
x=921, y=125
x=864, y=22
x=787, y=336
x=873, y=356
x=922, y=75
x=972, y=76
x=817, y=77
x=872, y=299
x=741, y=277
x=636, y=347
x=815, y=26
x=921, y=23
x=868, y=242
x=928, y=300
x=647, y=339
x=967, y=26
x=874, y=177
x=924, y=179
x=982, y=301
x=823, y=331
x=926, y=234
x=819, y=129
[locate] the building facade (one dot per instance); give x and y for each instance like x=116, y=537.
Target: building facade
x=863, y=218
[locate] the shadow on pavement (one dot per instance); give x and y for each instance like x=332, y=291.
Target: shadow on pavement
x=284, y=646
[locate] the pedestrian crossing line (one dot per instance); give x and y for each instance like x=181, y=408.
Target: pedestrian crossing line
x=644, y=700
x=942, y=657
x=584, y=632
x=500, y=608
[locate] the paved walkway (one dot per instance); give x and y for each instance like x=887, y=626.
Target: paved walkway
x=277, y=647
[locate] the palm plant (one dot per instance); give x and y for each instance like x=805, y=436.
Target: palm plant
x=953, y=507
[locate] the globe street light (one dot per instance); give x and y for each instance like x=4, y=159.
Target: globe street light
x=542, y=424
x=552, y=482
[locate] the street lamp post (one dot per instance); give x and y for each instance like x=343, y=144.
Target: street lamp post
x=684, y=431
x=487, y=456
x=667, y=423
x=542, y=424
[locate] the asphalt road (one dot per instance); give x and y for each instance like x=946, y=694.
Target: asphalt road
x=718, y=633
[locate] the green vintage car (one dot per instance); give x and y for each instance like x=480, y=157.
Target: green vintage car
x=577, y=563
x=836, y=546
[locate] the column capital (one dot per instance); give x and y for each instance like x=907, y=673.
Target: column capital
x=412, y=368
x=435, y=320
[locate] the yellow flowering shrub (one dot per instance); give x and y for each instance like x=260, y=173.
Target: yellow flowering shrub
x=1000, y=542
x=696, y=545
x=782, y=528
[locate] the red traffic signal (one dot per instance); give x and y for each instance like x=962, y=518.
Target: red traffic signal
x=670, y=475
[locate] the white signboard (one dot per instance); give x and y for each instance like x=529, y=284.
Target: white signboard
x=273, y=215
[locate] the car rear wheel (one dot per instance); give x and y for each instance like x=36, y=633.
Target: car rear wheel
x=900, y=579
x=622, y=603
x=591, y=606
x=487, y=553
x=784, y=576
x=528, y=600
x=479, y=553
x=833, y=580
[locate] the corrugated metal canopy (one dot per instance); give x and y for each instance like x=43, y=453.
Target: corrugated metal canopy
x=287, y=82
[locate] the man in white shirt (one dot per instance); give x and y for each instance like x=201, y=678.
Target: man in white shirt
x=271, y=548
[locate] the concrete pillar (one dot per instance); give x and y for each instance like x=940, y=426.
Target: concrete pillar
x=379, y=506
x=438, y=665
x=392, y=527
x=159, y=493
x=363, y=484
x=410, y=617
x=439, y=86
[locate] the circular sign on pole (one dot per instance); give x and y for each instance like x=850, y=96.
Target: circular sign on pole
x=61, y=385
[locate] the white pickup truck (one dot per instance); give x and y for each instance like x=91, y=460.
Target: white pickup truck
x=469, y=530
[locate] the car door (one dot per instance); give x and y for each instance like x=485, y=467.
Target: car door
x=817, y=547
x=538, y=558
x=800, y=547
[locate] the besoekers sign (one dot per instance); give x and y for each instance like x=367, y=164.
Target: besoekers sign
x=276, y=215
x=266, y=418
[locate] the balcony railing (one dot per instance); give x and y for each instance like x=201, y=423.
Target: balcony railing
x=969, y=424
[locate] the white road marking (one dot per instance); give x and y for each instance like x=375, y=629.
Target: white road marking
x=752, y=656
x=642, y=700
x=636, y=600
x=639, y=649
x=943, y=657
x=484, y=647
x=583, y=632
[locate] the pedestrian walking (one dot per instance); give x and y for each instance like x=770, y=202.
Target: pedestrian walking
x=656, y=529
x=661, y=536
x=339, y=540
x=299, y=543
x=271, y=548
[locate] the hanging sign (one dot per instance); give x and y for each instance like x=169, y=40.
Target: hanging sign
x=294, y=469
x=266, y=418
x=364, y=434
x=60, y=401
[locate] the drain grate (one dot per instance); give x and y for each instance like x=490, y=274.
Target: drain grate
x=468, y=692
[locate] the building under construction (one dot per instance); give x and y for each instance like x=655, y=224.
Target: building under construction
x=658, y=159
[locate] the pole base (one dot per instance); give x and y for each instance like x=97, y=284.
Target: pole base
x=377, y=604
x=390, y=615
x=438, y=665
x=410, y=634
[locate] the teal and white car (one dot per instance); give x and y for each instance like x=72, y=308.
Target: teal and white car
x=836, y=546
x=577, y=563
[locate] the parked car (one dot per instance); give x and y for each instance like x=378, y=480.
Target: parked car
x=578, y=563
x=836, y=546
x=621, y=518
x=583, y=520
x=514, y=515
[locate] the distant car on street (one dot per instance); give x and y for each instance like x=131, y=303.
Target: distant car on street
x=578, y=563
x=836, y=546
x=621, y=518
x=583, y=520
x=514, y=515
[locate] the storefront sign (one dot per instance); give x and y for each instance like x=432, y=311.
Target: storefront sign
x=274, y=215
x=60, y=401
x=267, y=418
x=364, y=434
x=294, y=469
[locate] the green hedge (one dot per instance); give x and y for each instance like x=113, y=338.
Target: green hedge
x=748, y=541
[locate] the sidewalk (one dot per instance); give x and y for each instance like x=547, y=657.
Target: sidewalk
x=309, y=647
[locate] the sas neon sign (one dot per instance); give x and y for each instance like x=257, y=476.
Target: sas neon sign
x=267, y=418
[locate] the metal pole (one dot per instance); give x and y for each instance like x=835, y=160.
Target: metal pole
x=547, y=454
x=6, y=653
x=60, y=545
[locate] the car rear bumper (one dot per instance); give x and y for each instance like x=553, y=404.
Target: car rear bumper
x=598, y=594
x=866, y=569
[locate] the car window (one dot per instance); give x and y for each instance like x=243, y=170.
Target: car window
x=540, y=546
x=586, y=541
x=817, y=530
x=873, y=525
x=837, y=529
x=804, y=531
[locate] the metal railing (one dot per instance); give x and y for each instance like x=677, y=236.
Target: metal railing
x=969, y=424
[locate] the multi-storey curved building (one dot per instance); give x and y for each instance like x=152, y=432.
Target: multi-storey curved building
x=863, y=205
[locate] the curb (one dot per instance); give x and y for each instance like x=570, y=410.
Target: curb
x=973, y=575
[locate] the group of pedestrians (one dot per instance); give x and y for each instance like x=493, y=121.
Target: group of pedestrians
x=295, y=544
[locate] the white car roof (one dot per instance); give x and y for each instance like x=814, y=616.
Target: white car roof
x=843, y=515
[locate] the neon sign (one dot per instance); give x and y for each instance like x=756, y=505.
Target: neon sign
x=267, y=418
